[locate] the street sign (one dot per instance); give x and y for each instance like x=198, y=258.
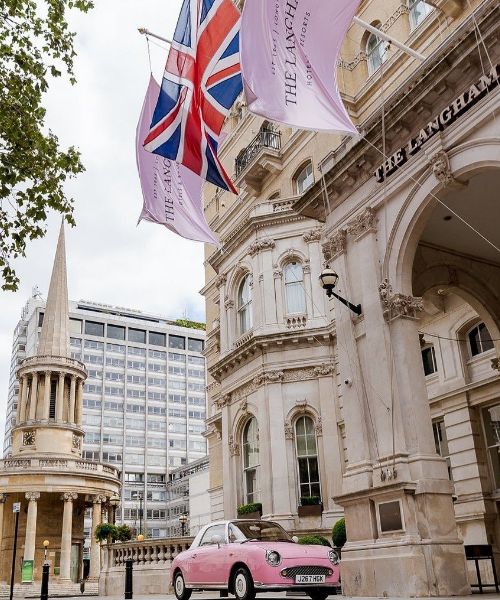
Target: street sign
x=16, y=507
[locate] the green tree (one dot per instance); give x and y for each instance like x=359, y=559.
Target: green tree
x=35, y=46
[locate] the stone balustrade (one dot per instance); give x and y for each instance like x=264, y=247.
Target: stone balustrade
x=43, y=360
x=152, y=560
x=57, y=464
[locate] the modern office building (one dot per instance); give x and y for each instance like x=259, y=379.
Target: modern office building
x=144, y=401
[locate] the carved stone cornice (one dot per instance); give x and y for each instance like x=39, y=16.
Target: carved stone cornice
x=324, y=370
x=363, y=223
x=220, y=280
x=69, y=496
x=234, y=448
x=398, y=305
x=259, y=245
x=335, y=245
x=228, y=303
x=32, y=496
x=269, y=377
x=314, y=235
x=223, y=401
x=98, y=499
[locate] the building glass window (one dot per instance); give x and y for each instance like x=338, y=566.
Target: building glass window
x=245, y=305
x=441, y=442
x=176, y=341
x=294, y=288
x=491, y=419
x=250, y=445
x=375, y=52
x=304, y=179
x=307, y=457
x=479, y=339
x=75, y=326
x=136, y=335
x=418, y=11
x=157, y=339
x=115, y=332
x=429, y=359
x=195, y=345
x=93, y=328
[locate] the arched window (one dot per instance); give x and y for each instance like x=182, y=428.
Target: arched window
x=294, y=288
x=429, y=359
x=250, y=446
x=418, y=11
x=245, y=305
x=304, y=179
x=375, y=52
x=479, y=340
x=307, y=457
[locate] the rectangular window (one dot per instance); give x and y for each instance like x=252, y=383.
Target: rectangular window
x=157, y=426
x=158, y=354
x=156, y=395
x=115, y=362
x=177, y=412
x=135, y=424
x=136, y=393
x=90, y=388
x=87, y=403
x=137, y=351
x=136, y=408
x=115, y=406
x=195, y=414
x=136, y=364
x=134, y=459
x=116, y=332
x=156, y=478
x=92, y=437
x=157, y=410
x=177, y=385
x=136, y=335
x=196, y=360
x=176, y=341
x=491, y=419
x=75, y=342
x=112, y=421
x=118, y=348
x=429, y=360
x=156, y=381
x=196, y=387
x=195, y=401
x=175, y=370
x=195, y=345
x=91, y=455
x=75, y=326
x=40, y=319
x=157, y=339
x=94, y=328
x=176, y=357
x=156, y=368
x=111, y=376
x=177, y=398
x=94, y=359
x=135, y=477
x=114, y=391
x=113, y=439
x=91, y=419
x=137, y=379
x=134, y=441
x=93, y=345
x=112, y=457
x=156, y=495
x=154, y=442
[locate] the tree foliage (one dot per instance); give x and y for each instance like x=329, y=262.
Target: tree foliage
x=35, y=46
x=339, y=536
x=315, y=540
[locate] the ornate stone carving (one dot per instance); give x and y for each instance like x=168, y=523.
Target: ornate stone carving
x=335, y=245
x=314, y=235
x=398, y=305
x=223, y=401
x=98, y=499
x=3, y=497
x=228, y=302
x=277, y=272
x=259, y=245
x=69, y=496
x=268, y=377
x=495, y=363
x=29, y=438
x=288, y=431
x=301, y=404
x=440, y=164
x=324, y=370
x=32, y=496
x=244, y=405
x=220, y=280
x=363, y=223
x=234, y=448
x=318, y=427
x=77, y=442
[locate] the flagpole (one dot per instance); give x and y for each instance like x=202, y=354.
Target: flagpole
x=144, y=31
x=388, y=38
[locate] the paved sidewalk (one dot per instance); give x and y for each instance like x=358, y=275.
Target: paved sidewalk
x=283, y=596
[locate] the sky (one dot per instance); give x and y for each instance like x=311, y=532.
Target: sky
x=109, y=258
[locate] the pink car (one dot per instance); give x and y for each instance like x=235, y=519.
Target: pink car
x=247, y=556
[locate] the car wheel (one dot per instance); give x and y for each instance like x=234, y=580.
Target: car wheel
x=243, y=585
x=180, y=590
x=318, y=594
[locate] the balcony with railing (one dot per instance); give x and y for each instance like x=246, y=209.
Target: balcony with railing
x=260, y=158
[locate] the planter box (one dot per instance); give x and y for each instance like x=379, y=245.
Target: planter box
x=310, y=510
x=252, y=515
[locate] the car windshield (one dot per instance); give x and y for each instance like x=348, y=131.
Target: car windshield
x=265, y=531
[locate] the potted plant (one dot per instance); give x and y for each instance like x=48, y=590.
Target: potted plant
x=105, y=532
x=339, y=536
x=250, y=511
x=310, y=506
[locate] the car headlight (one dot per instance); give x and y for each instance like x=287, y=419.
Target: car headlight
x=334, y=557
x=273, y=558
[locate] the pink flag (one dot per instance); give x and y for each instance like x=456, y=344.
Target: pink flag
x=172, y=193
x=288, y=54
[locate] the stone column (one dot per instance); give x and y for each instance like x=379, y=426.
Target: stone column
x=3, y=498
x=60, y=398
x=72, y=400
x=95, y=549
x=33, y=395
x=79, y=403
x=46, y=396
x=67, y=531
x=19, y=399
x=24, y=399
x=30, y=539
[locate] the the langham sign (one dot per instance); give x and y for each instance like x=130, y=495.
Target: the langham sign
x=445, y=118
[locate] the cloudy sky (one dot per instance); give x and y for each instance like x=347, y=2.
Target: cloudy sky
x=110, y=259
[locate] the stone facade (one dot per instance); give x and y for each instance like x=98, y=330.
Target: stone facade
x=395, y=408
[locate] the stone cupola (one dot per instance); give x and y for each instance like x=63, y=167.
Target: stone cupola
x=49, y=410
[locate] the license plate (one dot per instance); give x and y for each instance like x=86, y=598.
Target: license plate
x=309, y=579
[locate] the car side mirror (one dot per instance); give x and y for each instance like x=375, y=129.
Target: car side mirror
x=295, y=538
x=216, y=539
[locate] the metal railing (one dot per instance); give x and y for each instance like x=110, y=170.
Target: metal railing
x=265, y=139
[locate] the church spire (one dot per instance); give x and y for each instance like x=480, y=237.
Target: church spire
x=54, y=338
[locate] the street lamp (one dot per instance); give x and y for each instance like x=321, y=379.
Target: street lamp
x=46, y=544
x=114, y=501
x=183, y=520
x=329, y=280
x=140, y=497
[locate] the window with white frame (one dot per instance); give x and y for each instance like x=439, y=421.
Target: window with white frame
x=479, y=340
x=441, y=442
x=245, y=305
x=491, y=420
x=418, y=11
x=429, y=359
x=294, y=288
x=250, y=447
x=375, y=52
x=307, y=457
x=304, y=178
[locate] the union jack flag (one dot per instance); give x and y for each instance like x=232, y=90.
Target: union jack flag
x=202, y=79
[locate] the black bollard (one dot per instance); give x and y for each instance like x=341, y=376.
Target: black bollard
x=44, y=592
x=128, y=579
